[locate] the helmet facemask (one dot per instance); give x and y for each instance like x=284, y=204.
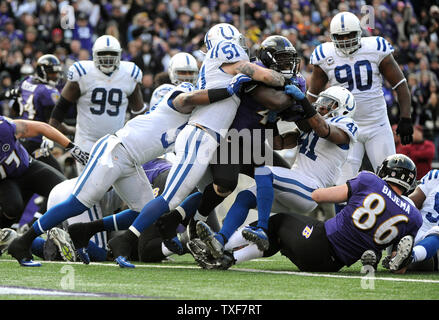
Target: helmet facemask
x=328, y=107
x=106, y=61
x=285, y=62
x=184, y=75
x=347, y=46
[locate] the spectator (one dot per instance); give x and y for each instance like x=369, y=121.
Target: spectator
x=83, y=32
x=421, y=151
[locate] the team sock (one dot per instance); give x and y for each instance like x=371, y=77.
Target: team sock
x=238, y=212
x=95, y=252
x=265, y=195
x=426, y=248
x=209, y=201
x=38, y=247
x=149, y=214
x=119, y=221
x=189, y=206
x=57, y=214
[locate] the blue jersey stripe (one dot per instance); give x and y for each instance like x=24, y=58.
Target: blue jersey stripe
x=379, y=44
x=82, y=68
x=317, y=54
x=203, y=77
x=292, y=181
x=137, y=73
x=134, y=69
x=77, y=69
x=384, y=44
x=321, y=51
x=293, y=191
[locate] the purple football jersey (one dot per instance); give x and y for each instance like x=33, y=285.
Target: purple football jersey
x=154, y=167
x=14, y=159
x=37, y=100
x=251, y=115
x=374, y=218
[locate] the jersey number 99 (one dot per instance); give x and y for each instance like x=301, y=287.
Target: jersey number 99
x=101, y=96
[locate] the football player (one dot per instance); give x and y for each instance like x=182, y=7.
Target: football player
x=378, y=214
x=426, y=243
x=207, y=125
x=20, y=175
x=36, y=97
x=102, y=90
x=115, y=161
x=321, y=153
x=259, y=110
x=180, y=70
x=361, y=64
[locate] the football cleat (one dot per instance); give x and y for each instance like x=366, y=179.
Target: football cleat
x=22, y=253
x=63, y=242
x=256, y=235
x=208, y=237
x=369, y=258
x=386, y=261
x=7, y=235
x=174, y=245
x=82, y=254
x=124, y=263
x=403, y=255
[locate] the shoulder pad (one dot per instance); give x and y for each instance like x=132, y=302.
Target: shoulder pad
x=132, y=70
x=77, y=70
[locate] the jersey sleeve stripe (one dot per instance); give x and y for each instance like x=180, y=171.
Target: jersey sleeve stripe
x=82, y=68
x=134, y=69
x=321, y=51
x=317, y=54
x=379, y=44
x=203, y=77
x=384, y=44
x=77, y=69
x=137, y=73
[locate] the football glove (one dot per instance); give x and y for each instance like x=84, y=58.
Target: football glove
x=294, y=91
x=405, y=130
x=45, y=147
x=237, y=81
x=78, y=154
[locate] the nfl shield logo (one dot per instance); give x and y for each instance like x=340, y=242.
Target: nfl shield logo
x=307, y=231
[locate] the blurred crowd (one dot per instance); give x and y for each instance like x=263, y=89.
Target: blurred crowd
x=152, y=31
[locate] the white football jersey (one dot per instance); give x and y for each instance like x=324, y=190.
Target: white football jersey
x=150, y=135
x=159, y=93
x=430, y=209
x=320, y=159
x=218, y=116
x=103, y=103
x=358, y=73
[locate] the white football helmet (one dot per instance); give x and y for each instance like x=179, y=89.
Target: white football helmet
x=223, y=31
x=336, y=101
x=106, y=53
x=342, y=24
x=183, y=67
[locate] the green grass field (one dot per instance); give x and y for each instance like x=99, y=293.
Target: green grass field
x=274, y=278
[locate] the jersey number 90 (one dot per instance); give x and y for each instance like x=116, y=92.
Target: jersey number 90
x=101, y=96
x=344, y=74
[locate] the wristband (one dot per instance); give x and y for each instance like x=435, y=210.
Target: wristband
x=218, y=94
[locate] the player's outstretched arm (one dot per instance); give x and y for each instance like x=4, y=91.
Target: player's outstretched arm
x=69, y=95
x=271, y=98
x=28, y=129
x=418, y=197
x=186, y=102
x=258, y=73
x=135, y=101
x=318, y=82
x=335, y=194
x=315, y=120
x=393, y=74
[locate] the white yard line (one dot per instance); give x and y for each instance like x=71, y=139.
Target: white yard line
x=295, y=273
